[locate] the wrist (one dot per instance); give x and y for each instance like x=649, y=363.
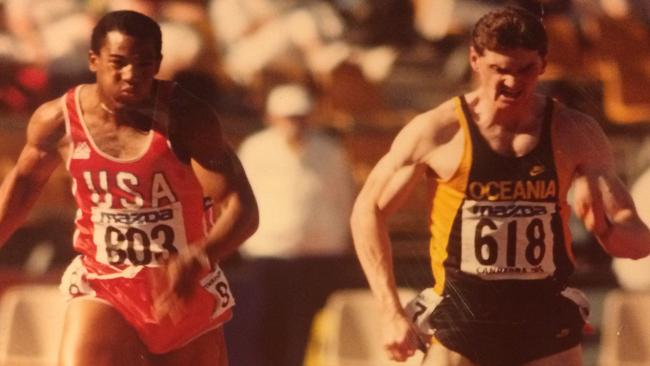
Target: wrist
x=199, y=255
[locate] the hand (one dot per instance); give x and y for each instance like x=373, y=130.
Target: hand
x=589, y=206
x=400, y=338
x=174, y=282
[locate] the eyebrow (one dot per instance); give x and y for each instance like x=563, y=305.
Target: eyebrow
x=524, y=67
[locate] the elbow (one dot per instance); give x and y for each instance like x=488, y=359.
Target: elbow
x=357, y=217
x=631, y=252
x=252, y=216
x=254, y=221
x=364, y=217
x=640, y=253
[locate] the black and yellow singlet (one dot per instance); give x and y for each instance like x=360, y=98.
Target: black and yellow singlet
x=500, y=217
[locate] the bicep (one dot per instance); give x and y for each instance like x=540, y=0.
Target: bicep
x=40, y=155
x=389, y=183
x=219, y=173
x=36, y=164
x=396, y=174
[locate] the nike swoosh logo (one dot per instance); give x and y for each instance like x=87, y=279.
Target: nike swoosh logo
x=537, y=170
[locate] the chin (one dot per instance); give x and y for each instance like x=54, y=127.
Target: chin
x=506, y=103
x=129, y=101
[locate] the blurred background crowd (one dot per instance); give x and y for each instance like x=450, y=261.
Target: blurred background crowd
x=353, y=72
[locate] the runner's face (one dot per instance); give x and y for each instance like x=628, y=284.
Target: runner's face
x=125, y=68
x=508, y=77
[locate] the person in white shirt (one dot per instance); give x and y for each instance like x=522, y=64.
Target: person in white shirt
x=303, y=184
x=302, y=180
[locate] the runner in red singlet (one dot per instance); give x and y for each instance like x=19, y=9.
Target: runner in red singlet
x=147, y=162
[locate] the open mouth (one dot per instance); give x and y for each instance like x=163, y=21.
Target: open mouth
x=510, y=93
x=128, y=91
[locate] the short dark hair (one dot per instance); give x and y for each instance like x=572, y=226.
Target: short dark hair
x=508, y=29
x=128, y=22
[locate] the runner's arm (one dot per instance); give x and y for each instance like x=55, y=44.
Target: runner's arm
x=385, y=190
x=39, y=157
x=222, y=178
x=196, y=137
x=602, y=200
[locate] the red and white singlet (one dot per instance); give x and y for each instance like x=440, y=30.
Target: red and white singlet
x=132, y=215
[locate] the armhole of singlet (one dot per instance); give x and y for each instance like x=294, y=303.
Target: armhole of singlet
x=68, y=126
x=548, y=121
x=466, y=160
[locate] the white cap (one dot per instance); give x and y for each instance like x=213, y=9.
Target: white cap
x=289, y=100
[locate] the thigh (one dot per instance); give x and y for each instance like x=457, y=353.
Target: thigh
x=207, y=350
x=439, y=355
x=570, y=357
x=95, y=333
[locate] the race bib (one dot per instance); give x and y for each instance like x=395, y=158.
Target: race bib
x=138, y=237
x=507, y=240
x=217, y=285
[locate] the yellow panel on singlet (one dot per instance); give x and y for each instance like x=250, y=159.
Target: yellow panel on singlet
x=500, y=217
x=448, y=197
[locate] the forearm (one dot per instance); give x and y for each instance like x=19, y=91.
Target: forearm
x=373, y=248
x=17, y=197
x=237, y=219
x=626, y=236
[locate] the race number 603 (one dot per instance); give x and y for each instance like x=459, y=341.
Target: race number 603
x=133, y=245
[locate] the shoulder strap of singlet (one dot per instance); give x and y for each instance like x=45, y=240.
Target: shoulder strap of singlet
x=458, y=179
x=73, y=124
x=545, y=137
x=469, y=120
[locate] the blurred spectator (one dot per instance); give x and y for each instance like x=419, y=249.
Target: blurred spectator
x=634, y=275
x=46, y=41
x=302, y=180
x=379, y=22
x=255, y=35
x=437, y=19
x=304, y=189
x=616, y=9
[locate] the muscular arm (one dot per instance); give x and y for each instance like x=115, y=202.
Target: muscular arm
x=23, y=184
x=387, y=186
x=223, y=179
x=385, y=190
x=601, y=199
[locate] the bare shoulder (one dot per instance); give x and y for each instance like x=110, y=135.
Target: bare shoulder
x=195, y=120
x=436, y=120
x=195, y=130
x=572, y=120
x=430, y=130
x=47, y=124
x=187, y=105
x=579, y=136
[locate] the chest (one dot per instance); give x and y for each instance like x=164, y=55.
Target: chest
x=507, y=143
x=120, y=142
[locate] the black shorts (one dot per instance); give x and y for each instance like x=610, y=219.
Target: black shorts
x=506, y=326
